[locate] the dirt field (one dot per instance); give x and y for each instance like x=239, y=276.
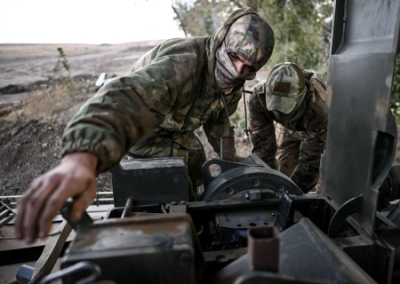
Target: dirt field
x=30, y=144
x=29, y=63
x=30, y=147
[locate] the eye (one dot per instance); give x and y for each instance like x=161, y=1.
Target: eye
x=251, y=68
x=233, y=55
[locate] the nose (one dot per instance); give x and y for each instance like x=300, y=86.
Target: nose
x=239, y=65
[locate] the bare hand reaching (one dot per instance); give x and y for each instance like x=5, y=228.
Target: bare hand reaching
x=74, y=177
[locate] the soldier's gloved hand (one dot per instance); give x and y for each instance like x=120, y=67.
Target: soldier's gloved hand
x=74, y=177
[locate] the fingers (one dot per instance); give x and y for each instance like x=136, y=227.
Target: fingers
x=35, y=203
x=21, y=212
x=83, y=193
x=83, y=201
x=23, y=205
x=46, y=196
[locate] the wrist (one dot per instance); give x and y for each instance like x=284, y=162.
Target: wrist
x=86, y=159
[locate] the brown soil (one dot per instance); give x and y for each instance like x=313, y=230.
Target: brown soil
x=31, y=146
x=27, y=150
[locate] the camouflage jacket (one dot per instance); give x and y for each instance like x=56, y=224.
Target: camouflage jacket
x=170, y=92
x=310, y=129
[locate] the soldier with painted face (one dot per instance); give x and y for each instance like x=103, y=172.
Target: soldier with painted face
x=295, y=100
x=152, y=111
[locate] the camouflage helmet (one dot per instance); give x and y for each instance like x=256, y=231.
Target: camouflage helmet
x=285, y=88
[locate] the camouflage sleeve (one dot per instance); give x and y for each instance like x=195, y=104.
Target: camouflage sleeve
x=306, y=174
x=218, y=124
x=262, y=132
x=288, y=149
x=125, y=110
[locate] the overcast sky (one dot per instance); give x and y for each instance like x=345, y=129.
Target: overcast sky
x=86, y=21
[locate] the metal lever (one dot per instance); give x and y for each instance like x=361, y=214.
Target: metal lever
x=66, y=213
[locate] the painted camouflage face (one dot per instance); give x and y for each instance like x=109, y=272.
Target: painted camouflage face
x=285, y=88
x=249, y=36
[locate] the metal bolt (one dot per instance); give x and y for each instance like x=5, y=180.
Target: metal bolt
x=174, y=203
x=183, y=202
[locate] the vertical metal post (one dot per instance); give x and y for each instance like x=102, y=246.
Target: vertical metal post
x=228, y=150
x=263, y=248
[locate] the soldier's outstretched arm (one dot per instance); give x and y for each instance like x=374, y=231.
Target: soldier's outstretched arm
x=123, y=111
x=74, y=177
x=306, y=174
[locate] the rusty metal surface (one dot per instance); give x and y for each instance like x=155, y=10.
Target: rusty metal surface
x=263, y=248
x=126, y=249
x=361, y=129
x=120, y=233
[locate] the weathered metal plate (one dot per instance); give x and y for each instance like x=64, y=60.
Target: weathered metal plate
x=150, y=181
x=146, y=249
x=361, y=129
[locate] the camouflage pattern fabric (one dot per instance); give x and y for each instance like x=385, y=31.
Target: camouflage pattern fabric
x=245, y=39
x=153, y=110
x=297, y=151
x=285, y=88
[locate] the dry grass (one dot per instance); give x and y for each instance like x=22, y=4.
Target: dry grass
x=46, y=103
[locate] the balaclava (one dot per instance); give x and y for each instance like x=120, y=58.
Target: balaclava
x=249, y=36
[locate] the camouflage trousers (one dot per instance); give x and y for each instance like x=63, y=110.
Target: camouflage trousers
x=299, y=156
x=164, y=145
